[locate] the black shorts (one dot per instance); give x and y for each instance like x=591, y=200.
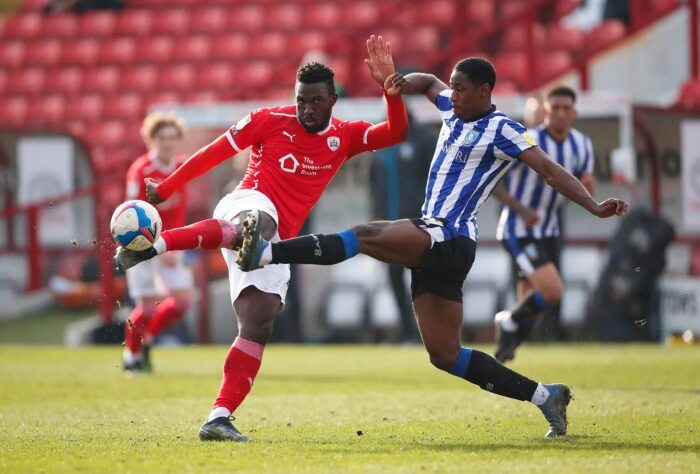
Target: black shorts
x=444, y=266
x=529, y=253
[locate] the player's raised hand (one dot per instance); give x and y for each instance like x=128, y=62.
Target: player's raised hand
x=611, y=207
x=393, y=84
x=380, y=62
x=152, y=191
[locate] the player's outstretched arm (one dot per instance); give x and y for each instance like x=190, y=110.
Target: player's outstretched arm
x=527, y=214
x=206, y=158
x=421, y=83
x=570, y=187
x=395, y=129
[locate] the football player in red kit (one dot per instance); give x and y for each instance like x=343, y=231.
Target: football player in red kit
x=161, y=287
x=295, y=152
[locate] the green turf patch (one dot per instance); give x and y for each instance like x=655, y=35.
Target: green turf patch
x=347, y=409
x=45, y=327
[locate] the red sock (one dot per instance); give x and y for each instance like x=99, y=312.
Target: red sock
x=207, y=234
x=240, y=368
x=135, y=326
x=167, y=313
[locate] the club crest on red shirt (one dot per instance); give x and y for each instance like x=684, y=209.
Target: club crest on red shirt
x=333, y=143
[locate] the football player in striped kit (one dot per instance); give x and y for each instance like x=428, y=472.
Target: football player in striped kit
x=529, y=227
x=476, y=147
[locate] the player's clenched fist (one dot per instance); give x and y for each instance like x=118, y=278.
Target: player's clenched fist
x=152, y=191
x=611, y=207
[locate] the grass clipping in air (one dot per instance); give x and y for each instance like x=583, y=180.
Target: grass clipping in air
x=347, y=409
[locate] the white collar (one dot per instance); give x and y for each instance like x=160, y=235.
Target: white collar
x=159, y=164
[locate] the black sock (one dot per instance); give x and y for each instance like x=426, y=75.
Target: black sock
x=486, y=372
x=317, y=249
x=529, y=308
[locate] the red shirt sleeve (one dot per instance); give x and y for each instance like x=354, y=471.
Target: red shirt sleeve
x=236, y=139
x=367, y=137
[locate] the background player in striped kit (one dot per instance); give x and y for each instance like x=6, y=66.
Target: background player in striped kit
x=476, y=146
x=529, y=227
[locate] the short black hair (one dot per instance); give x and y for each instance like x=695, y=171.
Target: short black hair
x=313, y=73
x=478, y=70
x=562, y=91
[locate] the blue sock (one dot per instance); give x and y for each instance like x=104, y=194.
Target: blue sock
x=350, y=244
x=460, y=366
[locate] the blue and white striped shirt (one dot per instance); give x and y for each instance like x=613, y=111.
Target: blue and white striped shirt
x=469, y=159
x=575, y=154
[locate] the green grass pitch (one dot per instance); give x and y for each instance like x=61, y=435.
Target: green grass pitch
x=347, y=409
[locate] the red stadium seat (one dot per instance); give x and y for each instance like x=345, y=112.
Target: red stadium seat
x=172, y=21
x=689, y=99
x=61, y=26
x=564, y=7
x=341, y=69
x=511, y=8
x=118, y=51
x=423, y=40
x=247, y=18
x=180, y=77
x=304, y=41
x=27, y=81
x=3, y=25
x=552, y=64
x=12, y=53
x=26, y=26
x=77, y=128
x=81, y=52
x=87, y=107
x=192, y=48
x=209, y=20
x=135, y=23
x=481, y=12
x=269, y=45
x=253, y=74
x=4, y=78
x=515, y=38
x=560, y=37
x=98, y=23
x=438, y=12
x=202, y=97
x=217, y=76
x=155, y=50
x=164, y=98
x=142, y=78
x=110, y=133
x=285, y=17
x=67, y=80
x=604, y=35
x=127, y=106
x=513, y=67
x=361, y=14
x=505, y=88
x=230, y=46
x=323, y=16
x=44, y=53
x=13, y=110
x=47, y=110
x=104, y=79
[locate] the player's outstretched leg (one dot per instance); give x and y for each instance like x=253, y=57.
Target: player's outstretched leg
x=440, y=322
x=207, y=234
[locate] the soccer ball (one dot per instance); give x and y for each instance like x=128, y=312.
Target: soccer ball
x=136, y=225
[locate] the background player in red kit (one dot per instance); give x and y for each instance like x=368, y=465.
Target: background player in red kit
x=161, y=288
x=295, y=153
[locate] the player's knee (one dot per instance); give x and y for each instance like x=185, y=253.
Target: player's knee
x=441, y=358
x=552, y=292
x=256, y=312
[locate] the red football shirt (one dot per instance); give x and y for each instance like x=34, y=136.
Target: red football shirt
x=172, y=211
x=291, y=166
